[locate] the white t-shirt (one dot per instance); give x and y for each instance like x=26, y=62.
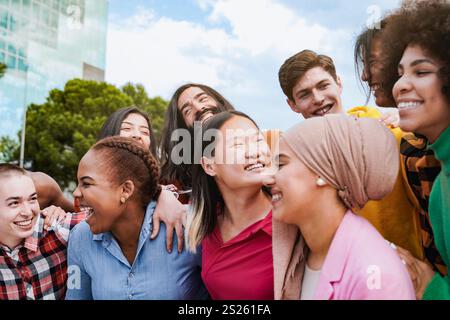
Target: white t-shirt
x=309, y=284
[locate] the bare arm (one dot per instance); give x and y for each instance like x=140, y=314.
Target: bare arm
x=49, y=192
x=170, y=211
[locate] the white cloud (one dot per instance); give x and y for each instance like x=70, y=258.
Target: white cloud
x=265, y=25
x=241, y=60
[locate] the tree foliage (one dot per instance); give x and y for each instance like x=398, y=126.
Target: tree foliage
x=9, y=149
x=2, y=69
x=60, y=131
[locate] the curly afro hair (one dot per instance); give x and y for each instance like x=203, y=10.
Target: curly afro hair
x=422, y=23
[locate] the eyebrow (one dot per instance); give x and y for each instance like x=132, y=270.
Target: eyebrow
x=417, y=62
x=186, y=104
x=18, y=198
x=131, y=124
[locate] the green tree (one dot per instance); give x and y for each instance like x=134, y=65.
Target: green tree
x=2, y=69
x=155, y=107
x=9, y=149
x=60, y=131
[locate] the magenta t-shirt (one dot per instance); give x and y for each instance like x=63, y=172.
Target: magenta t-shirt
x=241, y=268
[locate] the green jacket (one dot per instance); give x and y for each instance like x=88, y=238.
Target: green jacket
x=439, y=287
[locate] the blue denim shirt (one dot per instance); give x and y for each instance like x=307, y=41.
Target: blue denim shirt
x=97, y=268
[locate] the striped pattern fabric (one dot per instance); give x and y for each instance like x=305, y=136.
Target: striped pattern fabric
x=421, y=169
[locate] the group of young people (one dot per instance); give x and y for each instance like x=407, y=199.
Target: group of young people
x=344, y=205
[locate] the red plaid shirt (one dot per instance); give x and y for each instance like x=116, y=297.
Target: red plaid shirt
x=37, y=269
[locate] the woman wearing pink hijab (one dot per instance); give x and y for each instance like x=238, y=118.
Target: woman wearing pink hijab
x=321, y=249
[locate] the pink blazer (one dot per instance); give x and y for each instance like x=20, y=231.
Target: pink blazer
x=359, y=265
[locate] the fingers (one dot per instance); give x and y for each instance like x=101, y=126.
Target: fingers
x=390, y=119
x=169, y=238
x=48, y=213
x=53, y=214
x=180, y=236
x=156, y=223
x=171, y=187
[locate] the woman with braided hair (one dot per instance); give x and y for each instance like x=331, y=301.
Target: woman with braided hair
x=111, y=255
x=135, y=123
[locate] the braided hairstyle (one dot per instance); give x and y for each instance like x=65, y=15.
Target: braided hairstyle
x=125, y=159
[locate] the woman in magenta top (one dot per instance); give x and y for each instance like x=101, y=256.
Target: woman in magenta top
x=231, y=214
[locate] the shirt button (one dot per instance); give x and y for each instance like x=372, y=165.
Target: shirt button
x=130, y=297
x=131, y=275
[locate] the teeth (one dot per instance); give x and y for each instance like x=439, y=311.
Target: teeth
x=277, y=197
x=254, y=167
x=409, y=105
x=88, y=211
x=24, y=223
x=324, y=110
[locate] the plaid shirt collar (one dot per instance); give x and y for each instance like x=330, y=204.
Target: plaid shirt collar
x=32, y=242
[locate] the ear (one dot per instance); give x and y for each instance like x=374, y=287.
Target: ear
x=208, y=166
x=293, y=106
x=339, y=83
x=127, y=190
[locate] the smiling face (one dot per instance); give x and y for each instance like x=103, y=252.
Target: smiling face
x=372, y=72
x=294, y=191
x=19, y=209
x=97, y=194
x=423, y=107
x=196, y=105
x=316, y=94
x=241, y=155
x=136, y=126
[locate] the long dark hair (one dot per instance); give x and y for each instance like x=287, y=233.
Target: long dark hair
x=206, y=197
x=173, y=120
x=112, y=125
x=363, y=47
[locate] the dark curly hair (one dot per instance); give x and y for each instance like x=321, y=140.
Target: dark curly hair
x=422, y=23
x=126, y=159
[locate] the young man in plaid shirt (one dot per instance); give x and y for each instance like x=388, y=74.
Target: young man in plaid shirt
x=33, y=257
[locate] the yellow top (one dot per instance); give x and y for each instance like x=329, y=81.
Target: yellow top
x=394, y=216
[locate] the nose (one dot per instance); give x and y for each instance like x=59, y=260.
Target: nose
x=402, y=85
x=136, y=134
x=253, y=151
x=364, y=75
x=198, y=106
x=76, y=193
x=318, y=97
x=269, y=180
x=27, y=209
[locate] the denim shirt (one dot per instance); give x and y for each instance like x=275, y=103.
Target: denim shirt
x=97, y=268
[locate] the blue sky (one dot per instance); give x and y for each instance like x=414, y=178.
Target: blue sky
x=235, y=46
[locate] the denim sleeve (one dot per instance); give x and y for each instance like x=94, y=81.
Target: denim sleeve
x=78, y=281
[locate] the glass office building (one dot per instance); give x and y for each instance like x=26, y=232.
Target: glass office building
x=45, y=43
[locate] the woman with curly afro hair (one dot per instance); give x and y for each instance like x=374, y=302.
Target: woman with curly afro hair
x=416, y=65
